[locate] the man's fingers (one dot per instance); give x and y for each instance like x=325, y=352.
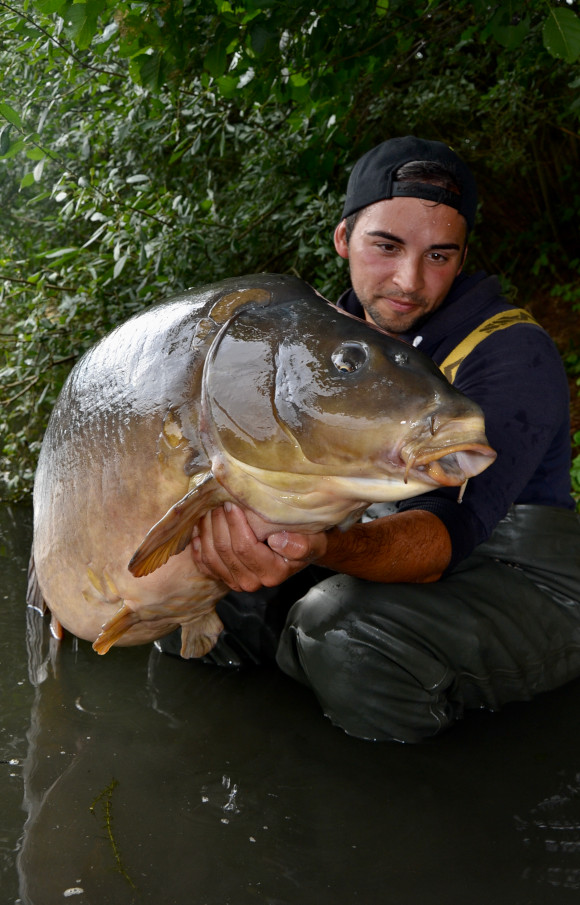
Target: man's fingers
x=226, y=548
x=298, y=548
x=212, y=550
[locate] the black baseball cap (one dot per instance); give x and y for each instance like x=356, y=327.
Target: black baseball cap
x=372, y=177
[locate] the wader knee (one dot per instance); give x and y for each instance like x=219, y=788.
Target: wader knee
x=371, y=678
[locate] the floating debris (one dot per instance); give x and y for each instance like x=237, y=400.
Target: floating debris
x=106, y=797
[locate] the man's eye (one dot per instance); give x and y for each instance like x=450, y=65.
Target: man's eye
x=349, y=357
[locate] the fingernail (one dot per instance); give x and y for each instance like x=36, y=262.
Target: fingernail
x=278, y=541
x=196, y=544
x=228, y=506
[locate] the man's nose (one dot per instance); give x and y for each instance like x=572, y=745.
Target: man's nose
x=409, y=274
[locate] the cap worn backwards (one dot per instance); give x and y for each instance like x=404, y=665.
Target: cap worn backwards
x=373, y=177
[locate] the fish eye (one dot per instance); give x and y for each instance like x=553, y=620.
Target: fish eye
x=349, y=357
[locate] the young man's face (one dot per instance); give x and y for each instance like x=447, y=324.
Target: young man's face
x=404, y=254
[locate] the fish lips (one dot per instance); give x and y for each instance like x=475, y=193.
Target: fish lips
x=447, y=462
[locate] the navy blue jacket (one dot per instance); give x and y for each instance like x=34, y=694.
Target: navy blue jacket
x=517, y=377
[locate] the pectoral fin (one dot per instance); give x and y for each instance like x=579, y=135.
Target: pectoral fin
x=174, y=531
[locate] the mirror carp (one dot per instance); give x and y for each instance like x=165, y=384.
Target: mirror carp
x=255, y=390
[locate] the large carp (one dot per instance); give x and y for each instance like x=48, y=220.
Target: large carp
x=255, y=390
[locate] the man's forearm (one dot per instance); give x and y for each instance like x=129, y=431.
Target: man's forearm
x=412, y=546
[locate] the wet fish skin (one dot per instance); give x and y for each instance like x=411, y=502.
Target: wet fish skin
x=255, y=390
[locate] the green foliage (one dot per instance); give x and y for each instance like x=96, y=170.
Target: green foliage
x=561, y=34
x=150, y=146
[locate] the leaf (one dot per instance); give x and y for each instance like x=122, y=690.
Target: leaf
x=119, y=266
x=50, y=6
x=227, y=85
x=152, y=70
x=107, y=34
x=561, y=34
x=511, y=36
x=138, y=177
x=37, y=171
x=262, y=38
x=299, y=88
x=15, y=148
x=59, y=253
x=81, y=22
x=216, y=59
x=27, y=179
x=5, y=139
x=11, y=115
x=35, y=154
x=96, y=235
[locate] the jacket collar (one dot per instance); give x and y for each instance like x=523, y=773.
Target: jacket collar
x=467, y=299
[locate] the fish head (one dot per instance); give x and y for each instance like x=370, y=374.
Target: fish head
x=299, y=387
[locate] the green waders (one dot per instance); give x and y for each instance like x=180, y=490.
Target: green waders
x=403, y=661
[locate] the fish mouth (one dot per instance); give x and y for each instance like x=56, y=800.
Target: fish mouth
x=450, y=463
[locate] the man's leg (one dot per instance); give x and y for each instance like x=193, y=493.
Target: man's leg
x=403, y=661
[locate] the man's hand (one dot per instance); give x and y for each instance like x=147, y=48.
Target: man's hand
x=225, y=547
x=411, y=546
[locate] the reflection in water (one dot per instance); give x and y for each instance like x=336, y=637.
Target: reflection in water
x=149, y=780
x=552, y=834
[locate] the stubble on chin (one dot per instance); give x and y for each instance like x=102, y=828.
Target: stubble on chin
x=392, y=324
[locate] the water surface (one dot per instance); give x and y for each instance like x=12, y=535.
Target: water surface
x=139, y=778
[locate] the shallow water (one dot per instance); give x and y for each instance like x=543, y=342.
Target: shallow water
x=138, y=778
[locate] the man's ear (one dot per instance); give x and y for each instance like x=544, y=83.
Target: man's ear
x=340, y=242
x=465, y=247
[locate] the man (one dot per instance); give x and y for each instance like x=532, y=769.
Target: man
x=413, y=616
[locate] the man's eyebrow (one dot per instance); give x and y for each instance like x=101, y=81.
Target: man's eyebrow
x=383, y=235
x=443, y=246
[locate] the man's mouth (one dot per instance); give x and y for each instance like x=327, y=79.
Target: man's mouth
x=404, y=306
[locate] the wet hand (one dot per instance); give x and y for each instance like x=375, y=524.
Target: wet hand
x=226, y=547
